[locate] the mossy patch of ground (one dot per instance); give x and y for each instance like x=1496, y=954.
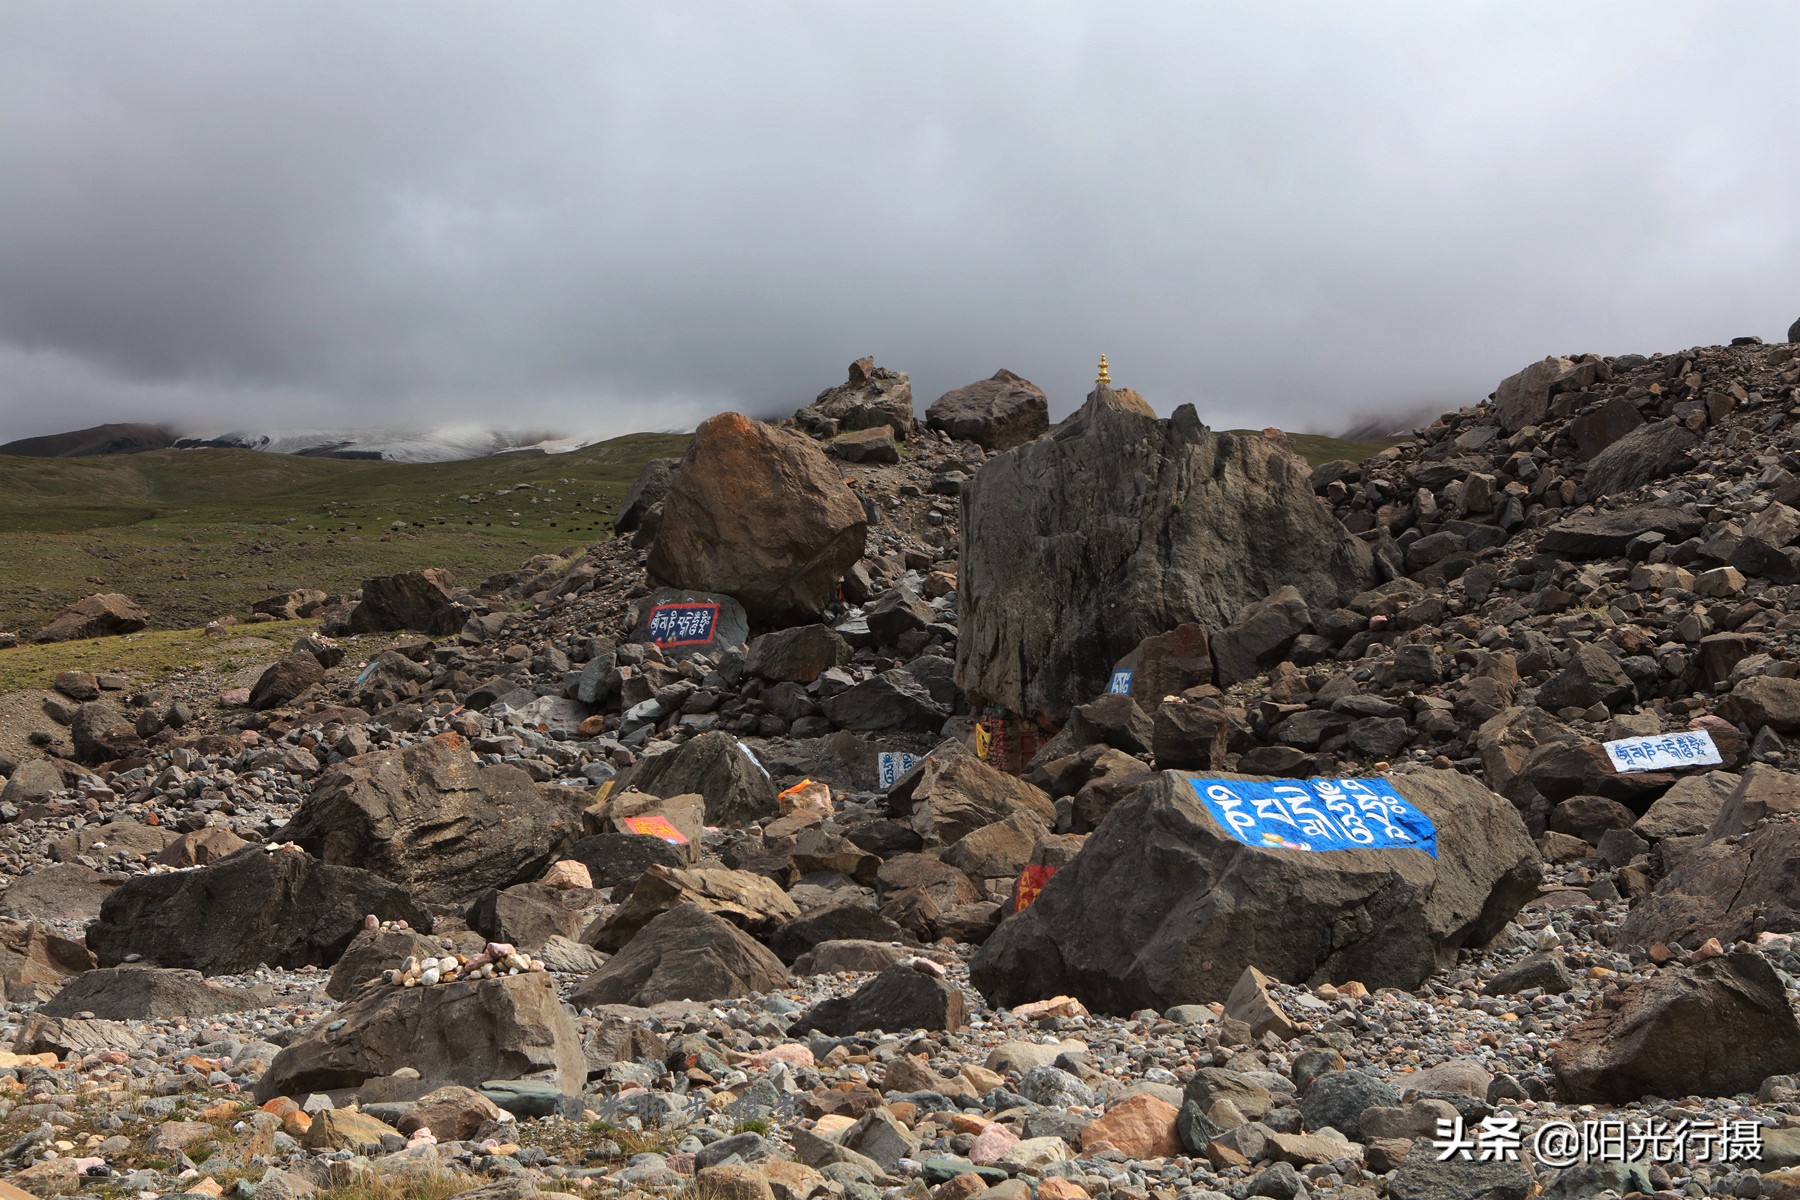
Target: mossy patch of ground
x=150, y=656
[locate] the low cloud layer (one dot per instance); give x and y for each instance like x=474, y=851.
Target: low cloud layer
x=600, y=217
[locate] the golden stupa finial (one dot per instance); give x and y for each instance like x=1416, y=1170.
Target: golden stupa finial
x=1103, y=377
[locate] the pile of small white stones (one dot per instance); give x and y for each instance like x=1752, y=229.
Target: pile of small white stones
x=497, y=959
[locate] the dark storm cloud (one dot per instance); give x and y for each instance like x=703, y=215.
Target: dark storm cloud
x=612, y=216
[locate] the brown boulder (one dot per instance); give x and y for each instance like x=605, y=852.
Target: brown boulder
x=1524, y=398
x=102, y=733
x=33, y=960
x=759, y=514
x=1764, y=700
x=452, y=1113
x=997, y=413
x=528, y=915
x=1717, y=1029
x=415, y=600
x=875, y=445
x=285, y=680
x=800, y=654
x=104, y=615
x=686, y=953
x=741, y=896
x=950, y=794
x=433, y=819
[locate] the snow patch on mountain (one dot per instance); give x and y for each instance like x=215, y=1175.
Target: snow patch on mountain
x=442, y=445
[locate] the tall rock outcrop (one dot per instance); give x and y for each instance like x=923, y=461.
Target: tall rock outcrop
x=1120, y=526
x=870, y=396
x=759, y=514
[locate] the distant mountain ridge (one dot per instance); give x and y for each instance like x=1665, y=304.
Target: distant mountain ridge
x=100, y=439
x=445, y=445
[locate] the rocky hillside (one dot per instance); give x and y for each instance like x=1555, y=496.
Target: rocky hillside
x=969, y=807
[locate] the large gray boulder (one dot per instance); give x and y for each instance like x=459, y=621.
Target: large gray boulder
x=1644, y=454
x=1078, y=546
x=432, y=818
x=1163, y=906
x=997, y=413
x=686, y=953
x=950, y=793
x=283, y=908
x=713, y=766
x=467, y=1032
x=641, y=509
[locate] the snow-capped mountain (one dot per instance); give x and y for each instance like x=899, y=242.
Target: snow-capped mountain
x=443, y=445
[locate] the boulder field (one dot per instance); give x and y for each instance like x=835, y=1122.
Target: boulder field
x=921, y=810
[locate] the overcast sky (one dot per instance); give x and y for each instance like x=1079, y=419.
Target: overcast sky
x=594, y=216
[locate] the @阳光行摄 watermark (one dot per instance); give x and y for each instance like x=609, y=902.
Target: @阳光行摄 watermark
x=1564, y=1143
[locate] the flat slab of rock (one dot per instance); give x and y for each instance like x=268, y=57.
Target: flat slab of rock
x=1606, y=534
x=130, y=837
x=134, y=993
x=62, y=892
x=467, y=1033
x=104, y=615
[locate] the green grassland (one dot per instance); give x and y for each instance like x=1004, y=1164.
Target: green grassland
x=151, y=655
x=197, y=534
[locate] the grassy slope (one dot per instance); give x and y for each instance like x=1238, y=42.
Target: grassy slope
x=196, y=534
x=149, y=656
